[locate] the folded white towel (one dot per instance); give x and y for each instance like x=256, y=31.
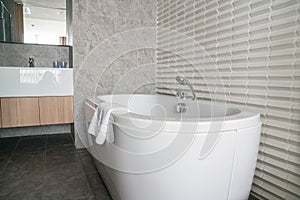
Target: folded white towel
x=94, y=123
x=101, y=123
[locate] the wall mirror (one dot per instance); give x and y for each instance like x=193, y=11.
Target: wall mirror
x=35, y=21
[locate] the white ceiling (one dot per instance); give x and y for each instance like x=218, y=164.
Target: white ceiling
x=45, y=9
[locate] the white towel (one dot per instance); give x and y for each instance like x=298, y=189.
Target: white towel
x=101, y=123
x=94, y=123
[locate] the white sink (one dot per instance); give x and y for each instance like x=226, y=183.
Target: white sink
x=23, y=81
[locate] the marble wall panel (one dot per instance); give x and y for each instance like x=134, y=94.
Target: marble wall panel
x=114, y=51
x=17, y=55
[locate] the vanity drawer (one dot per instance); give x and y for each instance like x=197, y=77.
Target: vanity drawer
x=35, y=111
x=56, y=110
x=17, y=112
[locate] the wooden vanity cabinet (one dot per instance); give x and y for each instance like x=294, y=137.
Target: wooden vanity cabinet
x=17, y=112
x=35, y=111
x=56, y=110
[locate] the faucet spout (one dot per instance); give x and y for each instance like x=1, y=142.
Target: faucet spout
x=31, y=62
x=183, y=81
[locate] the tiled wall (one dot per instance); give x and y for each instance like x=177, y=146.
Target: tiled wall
x=244, y=53
x=111, y=55
x=16, y=55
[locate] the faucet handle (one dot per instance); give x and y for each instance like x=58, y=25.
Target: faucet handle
x=180, y=94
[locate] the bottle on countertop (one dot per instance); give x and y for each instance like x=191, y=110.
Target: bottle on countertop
x=60, y=64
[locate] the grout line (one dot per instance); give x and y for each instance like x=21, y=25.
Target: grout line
x=6, y=164
x=45, y=158
x=46, y=144
x=44, y=167
x=86, y=174
x=17, y=144
x=71, y=132
x=9, y=157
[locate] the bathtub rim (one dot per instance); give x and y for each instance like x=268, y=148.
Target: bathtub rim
x=242, y=119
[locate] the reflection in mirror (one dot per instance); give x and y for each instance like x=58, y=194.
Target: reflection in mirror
x=6, y=20
x=33, y=21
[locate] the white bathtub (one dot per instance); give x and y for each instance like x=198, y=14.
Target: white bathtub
x=207, y=153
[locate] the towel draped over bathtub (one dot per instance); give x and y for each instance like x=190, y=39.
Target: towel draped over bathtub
x=101, y=123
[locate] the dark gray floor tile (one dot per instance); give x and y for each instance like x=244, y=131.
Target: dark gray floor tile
x=95, y=181
x=68, y=148
x=100, y=196
x=66, y=171
x=26, y=163
x=60, y=197
x=31, y=144
x=4, y=157
x=60, y=155
x=73, y=187
x=53, y=196
x=82, y=152
x=84, y=198
x=23, y=195
x=8, y=144
x=72, y=132
x=13, y=183
x=87, y=162
x=97, y=185
x=59, y=139
x=48, y=167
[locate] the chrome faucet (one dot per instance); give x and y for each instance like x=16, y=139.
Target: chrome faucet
x=180, y=94
x=181, y=107
x=31, y=62
x=183, y=81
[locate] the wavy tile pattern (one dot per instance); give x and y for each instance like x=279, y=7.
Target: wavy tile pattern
x=244, y=53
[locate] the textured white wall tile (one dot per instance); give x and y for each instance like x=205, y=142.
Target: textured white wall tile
x=244, y=53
